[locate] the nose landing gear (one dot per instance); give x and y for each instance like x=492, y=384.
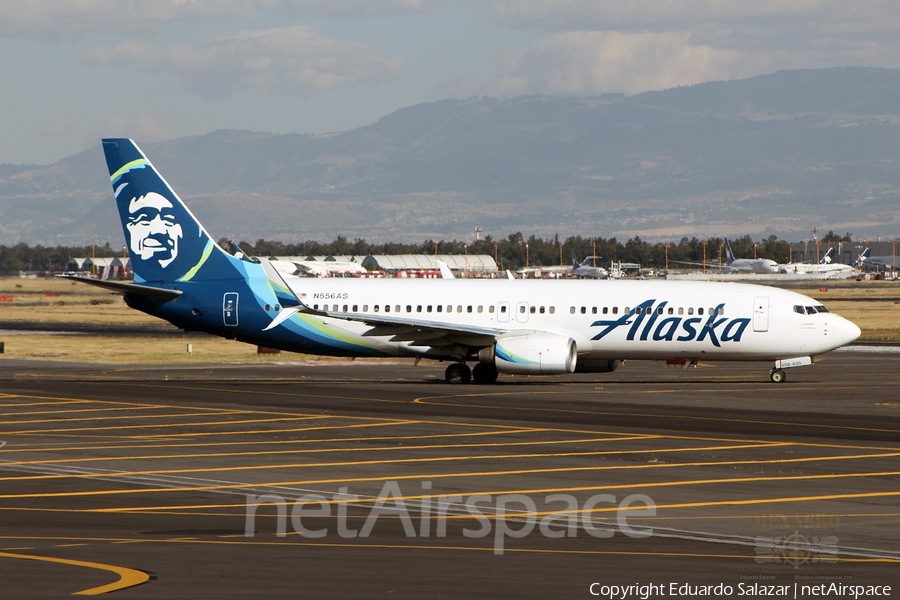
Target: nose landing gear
x=776, y=375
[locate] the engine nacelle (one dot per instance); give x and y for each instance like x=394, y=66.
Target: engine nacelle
x=597, y=365
x=535, y=354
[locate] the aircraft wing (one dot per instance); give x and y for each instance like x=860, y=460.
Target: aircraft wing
x=422, y=332
x=723, y=267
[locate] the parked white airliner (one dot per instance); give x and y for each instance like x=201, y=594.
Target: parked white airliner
x=528, y=327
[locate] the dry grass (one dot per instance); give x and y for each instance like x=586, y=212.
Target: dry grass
x=138, y=350
x=72, y=302
x=873, y=305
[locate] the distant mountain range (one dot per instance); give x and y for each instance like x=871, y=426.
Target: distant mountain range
x=775, y=154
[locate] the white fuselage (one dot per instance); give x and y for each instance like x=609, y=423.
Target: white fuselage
x=754, y=265
x=826, y=270
x=676, y=319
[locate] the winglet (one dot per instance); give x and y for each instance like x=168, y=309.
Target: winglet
x=446, y=273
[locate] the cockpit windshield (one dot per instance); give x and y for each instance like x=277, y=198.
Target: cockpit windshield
x=809, y=310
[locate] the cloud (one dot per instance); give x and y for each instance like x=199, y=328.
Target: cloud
x=694, y=15
x=291, y=61
x=31, y=19
x=346, y=9
x=596, y=62
x=637, y=45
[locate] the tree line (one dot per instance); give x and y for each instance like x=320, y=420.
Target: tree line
x=516, y=251
x=513, y=252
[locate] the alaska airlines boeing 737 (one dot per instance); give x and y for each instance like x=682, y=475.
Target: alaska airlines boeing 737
x=528, y=327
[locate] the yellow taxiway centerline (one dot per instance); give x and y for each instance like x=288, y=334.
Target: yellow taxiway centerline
x=127, y=577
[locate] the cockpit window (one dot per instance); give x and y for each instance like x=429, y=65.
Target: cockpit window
x=799, y=309
x=810, y=310
x=821, y=308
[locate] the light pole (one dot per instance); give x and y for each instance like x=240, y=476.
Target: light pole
x=704, y=256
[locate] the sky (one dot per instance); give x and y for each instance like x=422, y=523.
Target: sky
x=73, y=71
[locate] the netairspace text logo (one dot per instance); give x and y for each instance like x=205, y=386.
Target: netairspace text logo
x=502, y=516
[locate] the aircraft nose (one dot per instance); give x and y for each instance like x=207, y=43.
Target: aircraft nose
x=845, y=331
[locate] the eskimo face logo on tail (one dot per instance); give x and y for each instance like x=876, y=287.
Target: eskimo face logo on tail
x=152, y=229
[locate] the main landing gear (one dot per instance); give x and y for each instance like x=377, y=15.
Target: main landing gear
x=458, y=373
x=483, y=373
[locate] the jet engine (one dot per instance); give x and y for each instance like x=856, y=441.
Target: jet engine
x=532, y=354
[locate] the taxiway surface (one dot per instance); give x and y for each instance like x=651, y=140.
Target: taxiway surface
x=137, y=480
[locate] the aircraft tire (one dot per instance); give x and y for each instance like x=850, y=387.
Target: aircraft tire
x=458, y=373
x=777, y=376
x=484, y=374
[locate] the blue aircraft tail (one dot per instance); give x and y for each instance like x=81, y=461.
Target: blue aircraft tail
x=166, y=243
x=829, y=256
x=729, y=255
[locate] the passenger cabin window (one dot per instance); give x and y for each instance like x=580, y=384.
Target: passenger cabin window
x=571, y=310
x=355, y=308
x=440, y=308
x=419, y=308
x=594, y=310
x=615, y=310
x=397, y=308
x=268, y=308
x=469, y=309
x=408, y=308
x=491, y=309
x=552, y=310
x=690, y=310
x=680, y=310
x=583, y=310
x=522, y=309
x=345, y=308
x=480, y=308
x=375, y=308
x=542, y=310
x=533, y=309
x=458, y=308
x=671, y=311
x=387, y=308
x=428, y=308
x=699, y=311
x=503, y=308
x=605, y=310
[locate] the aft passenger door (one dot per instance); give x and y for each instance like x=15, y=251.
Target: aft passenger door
x=760, y=313
x=230, y=309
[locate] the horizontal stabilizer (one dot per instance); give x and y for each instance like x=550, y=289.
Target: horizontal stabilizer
x=146, y=291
